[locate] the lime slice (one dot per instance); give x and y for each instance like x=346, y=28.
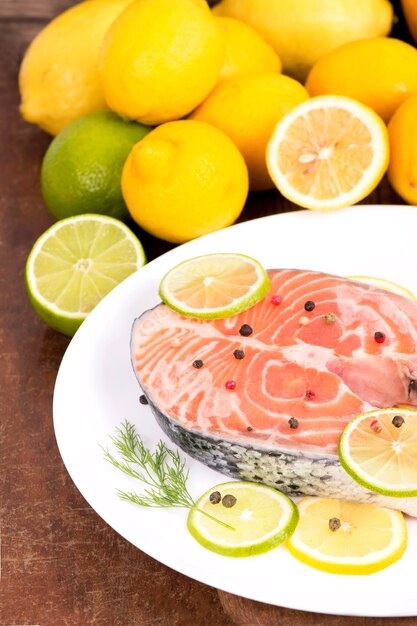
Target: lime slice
x=259, y=519
x=214, y=285
x=379, y=450
x=75, y=263
x=384, y=283
x=343, y=537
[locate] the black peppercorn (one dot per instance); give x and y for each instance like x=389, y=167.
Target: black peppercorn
x=198, y=363
x=293, y=422
x=309, y=305
x=245, y=330
x=229, y=501
x=215, y=497
x=239, y=354
x=143, y=399
x=334, y=523
x=397, y=421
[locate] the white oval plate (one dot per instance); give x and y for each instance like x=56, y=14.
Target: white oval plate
x=96, y=390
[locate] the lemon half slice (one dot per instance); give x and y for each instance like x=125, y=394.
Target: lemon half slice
x=328, y=152
x=343, y=537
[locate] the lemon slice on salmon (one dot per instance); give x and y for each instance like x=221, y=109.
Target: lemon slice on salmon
x=214, y=285
x=384, y=283
x=253, y=519
x=343, y=537
x=328, y=152
x=379, y=450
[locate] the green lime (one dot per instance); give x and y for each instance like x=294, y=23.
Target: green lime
x=214, y=285
x=75, y=263
x=82, y=168
x=379, y=450
x=253, y=519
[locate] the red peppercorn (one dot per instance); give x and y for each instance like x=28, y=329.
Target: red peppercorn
x=310, y=395
x=379, y=337
x=375, y=425
x=230, y=384
x=276, y=300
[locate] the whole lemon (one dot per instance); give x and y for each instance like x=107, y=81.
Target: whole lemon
x=380, y=73
x=160, y=59
x=183, y=180
x=82, y=167
x=246, y=51
x=402, y=169
x=410, y=13
x=301, y=31
x=247, y=108
x=59, y=78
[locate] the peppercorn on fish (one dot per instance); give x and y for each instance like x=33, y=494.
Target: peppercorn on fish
x=265, y=395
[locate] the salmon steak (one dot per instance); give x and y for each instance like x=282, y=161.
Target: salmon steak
x=265, y=395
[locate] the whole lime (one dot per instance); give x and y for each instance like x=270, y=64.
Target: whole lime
x=82, y=167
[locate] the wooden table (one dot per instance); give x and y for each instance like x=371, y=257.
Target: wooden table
x=60, y=563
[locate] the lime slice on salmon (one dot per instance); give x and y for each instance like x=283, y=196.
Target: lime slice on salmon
x=379, y=450
x=214, y=286
x=343, y=537
x=254, y=519
x=384, y=283
x=75, y=263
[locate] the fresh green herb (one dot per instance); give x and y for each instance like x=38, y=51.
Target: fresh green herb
x=163, y=472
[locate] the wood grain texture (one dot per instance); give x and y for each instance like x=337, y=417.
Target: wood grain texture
x=61, y=564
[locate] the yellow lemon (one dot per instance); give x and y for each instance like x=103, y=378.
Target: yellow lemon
x=160, y=59
x=380, y=73
x=183, y=180
x=247, y=109
x=402, y=170
x=246, y=51
x=301, y=31
x=410, y=14
x=59, y=78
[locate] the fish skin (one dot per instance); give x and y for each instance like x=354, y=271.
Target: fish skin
x=342, y=357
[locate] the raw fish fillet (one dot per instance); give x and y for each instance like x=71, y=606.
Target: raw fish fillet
x=307, y=370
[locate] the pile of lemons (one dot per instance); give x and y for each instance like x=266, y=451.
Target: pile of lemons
x=164, y=110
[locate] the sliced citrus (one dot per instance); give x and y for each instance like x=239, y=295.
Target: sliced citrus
x=253, y=519
x=384, y=283
x=379, y=450
x=75, y=263
x=214, y=285
x=343, y=537
x=328, y=152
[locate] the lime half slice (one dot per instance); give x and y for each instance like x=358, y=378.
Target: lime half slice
x=253, y=519
x=379, y=450
x=214, y=285
x=343, y=537
x=384, y=283
x=75, y=263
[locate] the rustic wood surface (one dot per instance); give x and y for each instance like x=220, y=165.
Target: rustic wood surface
x=60, y=563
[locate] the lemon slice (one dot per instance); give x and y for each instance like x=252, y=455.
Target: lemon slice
x=379, y=450
x=254, y=519
x=75, y=263
x=343, y=537
x=328, y=152
x=214, y=285
x=384, y=283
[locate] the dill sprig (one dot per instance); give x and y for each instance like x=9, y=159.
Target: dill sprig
x=163, y=472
